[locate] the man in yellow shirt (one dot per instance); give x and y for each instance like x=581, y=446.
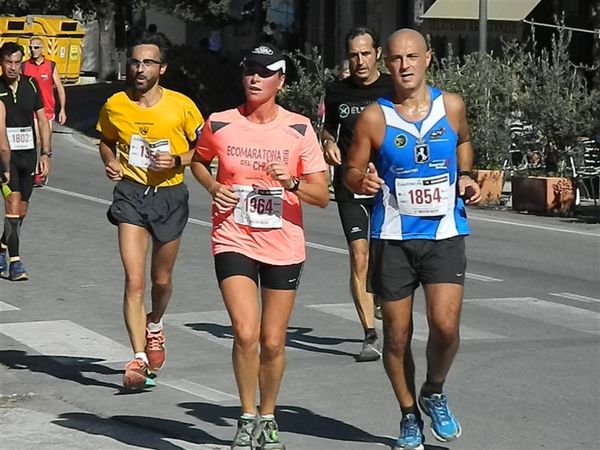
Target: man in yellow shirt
x=147, y=133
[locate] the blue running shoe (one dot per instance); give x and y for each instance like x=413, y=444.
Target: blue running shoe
x=3, y=263
x=411, y=434
x=17, y=271
x=444, y=425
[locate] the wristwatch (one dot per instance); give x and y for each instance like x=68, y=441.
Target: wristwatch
x=466, y=173
x=324, y=141
x=295, y=184
x=48, y=154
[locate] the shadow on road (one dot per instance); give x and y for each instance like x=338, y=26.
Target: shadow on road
x=162, y=429
x=297, y=337
x=291, y=419
x=61, y=367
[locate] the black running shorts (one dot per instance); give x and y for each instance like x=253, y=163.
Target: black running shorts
x=396, y=268
x=22, y=167
x=228, y=264
x=355, y=218
x=163, y=211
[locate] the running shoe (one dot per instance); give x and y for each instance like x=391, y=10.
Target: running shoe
x=17, y=271
x=267, y=435
x=411, y=434
x=3, y=263
x=137, y=375
x=444, y=425
x=39, y=180
x=244, y=436
x=371, y=350
x=155, y=349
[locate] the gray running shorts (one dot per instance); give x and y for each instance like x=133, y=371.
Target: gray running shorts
x=163, y=211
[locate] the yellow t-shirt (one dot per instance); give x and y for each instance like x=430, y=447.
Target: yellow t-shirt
x=171, y=125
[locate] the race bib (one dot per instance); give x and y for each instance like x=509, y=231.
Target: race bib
x=423, y=196
x=259, y=207
x=140, y=150
x=20, y=138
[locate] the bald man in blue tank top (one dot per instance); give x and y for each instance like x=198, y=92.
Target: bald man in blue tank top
x=418, y=140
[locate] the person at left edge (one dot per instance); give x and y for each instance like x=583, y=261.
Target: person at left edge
x=22, y=100
x=147, y=136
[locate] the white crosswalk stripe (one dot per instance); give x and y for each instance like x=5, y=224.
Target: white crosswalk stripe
x=421, y=330
x=8, y=307
x=63, y=338
x=571, y=317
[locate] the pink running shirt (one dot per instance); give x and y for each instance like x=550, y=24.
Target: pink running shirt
x=243, y=149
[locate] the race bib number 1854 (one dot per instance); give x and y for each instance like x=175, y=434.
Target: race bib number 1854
x=427, y=196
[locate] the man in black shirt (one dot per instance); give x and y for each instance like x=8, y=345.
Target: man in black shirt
x=21, y=97
x=344, y=101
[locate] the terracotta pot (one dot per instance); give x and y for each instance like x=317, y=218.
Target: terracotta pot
x=491, y=183
x=546, y=195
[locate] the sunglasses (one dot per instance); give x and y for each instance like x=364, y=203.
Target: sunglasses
x=261, y=71
x=146, y=63
x=35, y=47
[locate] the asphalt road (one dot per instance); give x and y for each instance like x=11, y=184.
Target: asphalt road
x=526, y=376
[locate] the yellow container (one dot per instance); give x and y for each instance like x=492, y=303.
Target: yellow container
x=14, y=29
x=62, y=38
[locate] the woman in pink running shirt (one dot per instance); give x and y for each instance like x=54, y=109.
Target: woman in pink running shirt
x=269, y=161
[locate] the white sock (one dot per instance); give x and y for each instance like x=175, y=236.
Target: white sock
x=267, y=416
x=155, y=327
x=248, y=416
x=142, y=356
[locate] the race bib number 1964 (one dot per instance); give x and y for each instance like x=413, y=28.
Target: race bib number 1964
x=259, y=207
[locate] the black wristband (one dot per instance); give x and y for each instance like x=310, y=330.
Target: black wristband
x=48, y=154
x=466, y=173
x=295, y=184
x=177, y=160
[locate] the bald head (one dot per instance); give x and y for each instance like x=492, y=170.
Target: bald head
x=403, y=35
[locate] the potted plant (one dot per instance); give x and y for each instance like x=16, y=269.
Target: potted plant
x=554, y=98
x=487, y=107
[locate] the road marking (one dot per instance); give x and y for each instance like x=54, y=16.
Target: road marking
x=77, y=195
x=8, y=307
x=203, y=223
x=528, y=225
x=576, y=319
x=421, y=329
x=474, y=276
x=63, y=338
x=570, y=296
x=199, y=390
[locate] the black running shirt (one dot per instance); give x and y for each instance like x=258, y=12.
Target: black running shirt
x=344, y=101
x=21, y=107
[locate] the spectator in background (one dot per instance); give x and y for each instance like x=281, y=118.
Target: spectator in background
x=46, y=74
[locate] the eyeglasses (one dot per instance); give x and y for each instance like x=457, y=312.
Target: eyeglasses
x=146, y=63
x=259, y=70
x=35, y=47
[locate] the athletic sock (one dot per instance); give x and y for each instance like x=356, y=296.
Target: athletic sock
x=370, y=334
x=410, y=410
x=248, y=416
x=142, y=356
x=11, y=232
x=155, y=327
x=429, y=388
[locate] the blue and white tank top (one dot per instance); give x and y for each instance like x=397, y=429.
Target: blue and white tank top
x=417, y=160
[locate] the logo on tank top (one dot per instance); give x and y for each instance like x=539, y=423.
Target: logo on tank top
x=400, y=141
x=144, y=130
x=421, y=152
